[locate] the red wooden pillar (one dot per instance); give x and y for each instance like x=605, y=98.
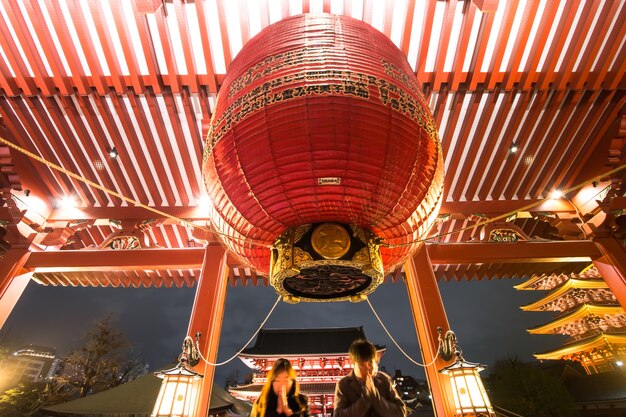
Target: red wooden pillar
x=13, y=280
x=612, y=266
x=206, y=318
x=428, y=314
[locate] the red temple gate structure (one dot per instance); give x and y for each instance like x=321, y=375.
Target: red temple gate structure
x=528, y=99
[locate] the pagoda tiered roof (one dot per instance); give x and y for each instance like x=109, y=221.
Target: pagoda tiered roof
x=587, y=319
x=551, y=281
x=595, y=349
x=573, y=293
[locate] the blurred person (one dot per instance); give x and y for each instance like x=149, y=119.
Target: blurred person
x=280, y=396
x=366, y=392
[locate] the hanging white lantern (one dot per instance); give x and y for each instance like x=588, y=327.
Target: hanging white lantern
x=470, y=397
x=180, y=387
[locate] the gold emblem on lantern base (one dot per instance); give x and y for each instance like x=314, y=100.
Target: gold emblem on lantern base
x=330, y=240
x=326, y=262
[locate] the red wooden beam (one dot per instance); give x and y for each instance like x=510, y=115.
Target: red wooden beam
x=113, y=260
x=191, y=258
x=551, y=251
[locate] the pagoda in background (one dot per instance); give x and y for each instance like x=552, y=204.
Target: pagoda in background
x=589, y=314
x=319, y=356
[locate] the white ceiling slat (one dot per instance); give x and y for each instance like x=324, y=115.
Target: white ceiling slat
x=215, y=36
x=454, y=37
x=175, y=39
x=573, y=28
x=512, y=37
x=479, y=136
x=163, y=163
x=494, y=35
x=416, y=32
x=521, y=151
x=193, y=157
x=93, y=174
x=457, y=130
x=110, y=142
x=435, y=35
x=9, y=25
x=607, y=35
x=499, y=142
x=471, y=45
x=158, y=45
x=115, y=38
x=551, y=142
x=95, y=40
x=191, y=16
x=537, y=123
x=553, y=28
x=145, y=157
x=233, y=27
x=178, y=153
x=533, y=34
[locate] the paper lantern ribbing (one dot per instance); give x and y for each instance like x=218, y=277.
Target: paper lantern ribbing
x=322, y=146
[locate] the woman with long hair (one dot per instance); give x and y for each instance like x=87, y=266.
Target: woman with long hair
x=280, y=396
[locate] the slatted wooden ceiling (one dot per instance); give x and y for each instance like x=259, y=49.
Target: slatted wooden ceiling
x=79, y=78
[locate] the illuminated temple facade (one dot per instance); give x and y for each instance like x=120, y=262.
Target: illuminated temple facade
x=589, y=314
x=319, y=356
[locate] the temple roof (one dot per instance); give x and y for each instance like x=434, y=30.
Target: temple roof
x=600, y=341
x=551, y=281
x=276, y=342
x=568, y=295
x=587, y=317
x=136, y=399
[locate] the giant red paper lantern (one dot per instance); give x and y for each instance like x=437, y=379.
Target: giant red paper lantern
x=320, y=124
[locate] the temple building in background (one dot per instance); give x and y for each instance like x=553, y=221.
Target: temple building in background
x=589, y=314
x=319, y=356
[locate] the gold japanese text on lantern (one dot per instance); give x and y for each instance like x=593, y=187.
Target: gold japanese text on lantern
x=326, y=262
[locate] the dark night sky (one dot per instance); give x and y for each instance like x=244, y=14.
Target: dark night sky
x=484, y=314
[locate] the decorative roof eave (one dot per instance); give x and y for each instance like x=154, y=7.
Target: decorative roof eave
x=535, y=283
x=563, y=289
x=532, y=282
x=601, y=340
x=580, y=313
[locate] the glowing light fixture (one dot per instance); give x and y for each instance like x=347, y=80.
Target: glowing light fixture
x=619, y=363
x=513, y=148
x=113, y=153
x=67, y=202
x=470, y=397
x=204, y=201
x=180, y=387
x=556, y=194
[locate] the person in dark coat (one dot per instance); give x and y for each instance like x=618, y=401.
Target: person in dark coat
x=280, y=396
x=366, y=392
